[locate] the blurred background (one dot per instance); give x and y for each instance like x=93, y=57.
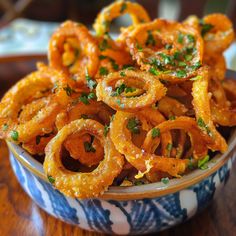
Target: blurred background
x=26, y=25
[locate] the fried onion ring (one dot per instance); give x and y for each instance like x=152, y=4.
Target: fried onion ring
x=77, y=184
x=116, y=9
x=154, y=90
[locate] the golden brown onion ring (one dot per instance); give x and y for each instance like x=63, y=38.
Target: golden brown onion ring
x=154, y=90
x=77, y=184
x=170, y=50
x=87, y=58
x=116, y=9
x=139, y=158
x=23, y=92
x=201, y=103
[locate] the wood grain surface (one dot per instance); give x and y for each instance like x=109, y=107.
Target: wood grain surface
x=20, y=216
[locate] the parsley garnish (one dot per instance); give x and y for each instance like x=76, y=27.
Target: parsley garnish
x=180, y=38
x=150, y=39
x=156, y=132
x=202, y=164
x=51, y=179
x=5, y=127
x=102, y=57
x=172, y=117
x=103, y=71
x=68, y=90
x=88, y=147
x=168, y=46
x=84, y=98
x=14, y=135
x=122, y=73
x=84, y=116
x=103, y=45
x=190, y=38
x=139, y=47
x=127, y=67
x=90, y=82
x=123, y=7
x=203, y=126
x=133, y=125
x=114, y=65
x=205, y=27
x=138, y=183
x=181, y=73
x=153, y=71
x=165, y=180
x=106, y=129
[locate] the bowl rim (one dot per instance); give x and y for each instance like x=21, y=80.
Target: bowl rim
x=151, y=190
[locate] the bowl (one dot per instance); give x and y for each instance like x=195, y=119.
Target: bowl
x=127, y=210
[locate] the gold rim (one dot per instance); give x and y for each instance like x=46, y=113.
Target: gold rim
x=144, y=191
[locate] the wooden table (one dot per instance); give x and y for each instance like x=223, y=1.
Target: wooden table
x=20, y=216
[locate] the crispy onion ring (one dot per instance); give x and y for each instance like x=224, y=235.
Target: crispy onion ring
x=25, y=90
x=137, y=157
x=201, y=103
x=154, y=90
x=116, y=9
x=220, y=36
x=199, y=140
x=163, y=47
x=76, y=184
x=87, y=51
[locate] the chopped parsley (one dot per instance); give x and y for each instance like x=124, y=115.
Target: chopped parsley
x=123, y=7
x=103, y=45
x=5, y=127
x=169, y=147
x=196, y=78
x=122, y=73
x=37, y=139
x=84, y=116
x=203, y=126
x=68, y=90
x=90, y=82
x=168, y=46
x=139, y=47
x=181, y=73
x=191, y=164
x=205, y=27
x=172, y=117
x=51, y=179
x=202, y=164
x=14, y=135
x=188, y=57
x=102, y=57
x=103, y=71
x=114, y=65
x=150, y=39
x=133, y=125
x=153, y=71
x=182, y=64
x=91, y=95
x=138, y=183
x=122, y=88
x=127, y=67
x=119, y=103
x=156, y=132
x=84, y=98
x=190, y=38
x=180, y=38
x=165, y=180
x=106, y=129
x=129, y=89
x=88, y=146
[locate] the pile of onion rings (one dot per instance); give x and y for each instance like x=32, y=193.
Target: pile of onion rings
x=141, y=108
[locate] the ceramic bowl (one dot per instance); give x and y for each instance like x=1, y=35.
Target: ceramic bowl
x=127, y=210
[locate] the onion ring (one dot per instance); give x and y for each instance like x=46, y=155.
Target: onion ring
x=154, y=90
x=82, y=185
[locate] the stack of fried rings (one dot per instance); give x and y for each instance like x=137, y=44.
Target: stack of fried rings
x=141, y=107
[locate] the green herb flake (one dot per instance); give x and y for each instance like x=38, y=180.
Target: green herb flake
x=129, y=89
x=190, y=38
x=106, y=130
x=168, y=46
x=180, y=38
x=188, y=57
x=38, y=139
x=196, y=78
x=169, y=147
x=5, y=127
x=133, y=125
x=114, y=65
x=138, y=183
x=153, y=71
x=182, y=64
x=119, y=103
x=103, y=45
x=90, y=82
x=68, y=90
x=181, y=73
x=84, y=99
x=51, y=179
x=14, y=135
x=127, y=67
x=103, y=71
x=91, y=95
x=123, y=7
x=139, y=47
x=165, y=180
x=203, y=126
x=205, y=27
x=88, y=147
x=172, y=117
x=156, y=132
x=202, y=164
x=150, y=39
x=102, y=57
x=191, y=164
x=122, y=73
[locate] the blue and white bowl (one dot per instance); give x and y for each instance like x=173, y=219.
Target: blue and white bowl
x=127, y=210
